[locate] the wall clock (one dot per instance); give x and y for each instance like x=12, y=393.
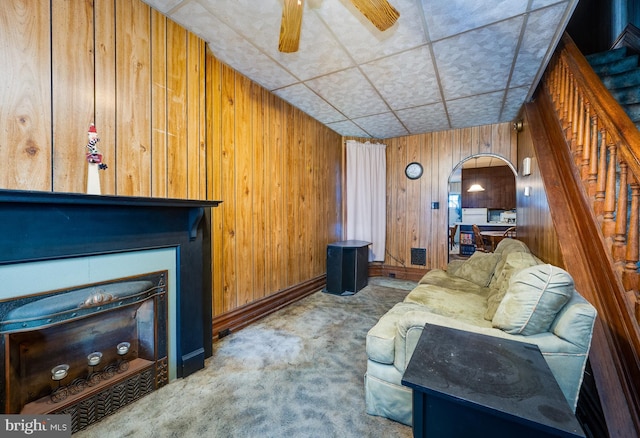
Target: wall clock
x=413, y=170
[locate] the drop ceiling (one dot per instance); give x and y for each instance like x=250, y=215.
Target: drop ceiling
x=445, y=64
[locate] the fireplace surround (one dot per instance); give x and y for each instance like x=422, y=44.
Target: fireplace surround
x=42, y=231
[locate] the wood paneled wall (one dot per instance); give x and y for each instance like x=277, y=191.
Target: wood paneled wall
x=120, y=64
x=141, y=79
x=535, y=226
x=278, y=173
x=411, y=222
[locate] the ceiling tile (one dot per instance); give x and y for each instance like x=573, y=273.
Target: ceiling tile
x=350, y=93
x=427, y=118
x=539, y=32
x=475, y=110
x=535, y=4
x=348, y=129
x=477, y=62
x=310, y=103
x=390, y=76
x=450, y=17
x=259, y=22
x=163, y=6
x=319, y=51
x=236, y=52
x=513, y=103
x=363, y=41
x=346, y=68
x=380, y=125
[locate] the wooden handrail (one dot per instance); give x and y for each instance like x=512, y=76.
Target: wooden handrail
x=594, y=218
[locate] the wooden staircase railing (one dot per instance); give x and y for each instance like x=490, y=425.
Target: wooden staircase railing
x=596, y=182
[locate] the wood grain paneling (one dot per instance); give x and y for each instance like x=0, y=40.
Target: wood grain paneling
x=120, y=65
x=278, y=173
x=159, y=119
x=25, y=93
x=133, y=103
x=535, y=225
x=105, y=91
x=411, y=222
x=73, y=107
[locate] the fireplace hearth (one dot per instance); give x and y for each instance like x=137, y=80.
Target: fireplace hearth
x=80, y=325
x=67, y=350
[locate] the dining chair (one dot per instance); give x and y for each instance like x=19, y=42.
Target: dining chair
x=481, y=245
x=452, y=236
x=510, y=232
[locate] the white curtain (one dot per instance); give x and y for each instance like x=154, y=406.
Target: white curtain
x=366, y=195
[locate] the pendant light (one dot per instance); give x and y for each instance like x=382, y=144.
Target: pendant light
x=475, y=187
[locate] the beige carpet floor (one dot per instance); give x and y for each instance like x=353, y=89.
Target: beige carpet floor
x=296, y=373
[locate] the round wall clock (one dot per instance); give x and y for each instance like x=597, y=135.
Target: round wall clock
x=413, y=170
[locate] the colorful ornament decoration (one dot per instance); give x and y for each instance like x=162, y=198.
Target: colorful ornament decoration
x=94, y=158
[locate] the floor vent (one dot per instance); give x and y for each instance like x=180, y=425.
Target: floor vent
x=419, y=256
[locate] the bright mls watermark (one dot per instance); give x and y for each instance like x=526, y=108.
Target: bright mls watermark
x=37, y=426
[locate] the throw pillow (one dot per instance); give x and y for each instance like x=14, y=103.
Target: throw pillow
x=533, y=299
x=478, y=268
x=513, y=263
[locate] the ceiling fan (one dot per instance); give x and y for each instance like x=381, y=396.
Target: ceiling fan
x=380, y=12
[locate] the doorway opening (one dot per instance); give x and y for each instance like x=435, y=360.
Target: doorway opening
x=492, y=206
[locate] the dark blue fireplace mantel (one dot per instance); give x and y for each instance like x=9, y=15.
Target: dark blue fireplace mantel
x=37, y=226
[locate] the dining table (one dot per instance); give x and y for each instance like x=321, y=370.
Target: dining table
x=494, y=237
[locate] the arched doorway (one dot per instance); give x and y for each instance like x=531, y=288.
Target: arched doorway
x=491, y=206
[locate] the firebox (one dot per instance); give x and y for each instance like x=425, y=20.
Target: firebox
x=85, y=351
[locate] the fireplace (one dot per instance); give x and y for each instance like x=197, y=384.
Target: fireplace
x=140, y=267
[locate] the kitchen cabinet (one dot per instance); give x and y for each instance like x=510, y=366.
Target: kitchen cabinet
x=499, y=184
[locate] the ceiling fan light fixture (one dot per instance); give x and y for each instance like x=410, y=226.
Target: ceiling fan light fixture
x=475, y=188
x=379, y=12
x=290, y=26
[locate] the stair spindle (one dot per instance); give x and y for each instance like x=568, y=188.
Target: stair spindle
x=578, y=127
x=564, y=97
x=608, y=224
x=586, y=149
x=630, y=273
x=593, y=159
x=620, y=238
x=598, y=204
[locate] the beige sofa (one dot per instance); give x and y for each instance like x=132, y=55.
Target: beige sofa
x=510, y=294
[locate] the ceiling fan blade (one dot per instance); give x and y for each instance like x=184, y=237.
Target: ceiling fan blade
x=379, y=12
x=290, y=25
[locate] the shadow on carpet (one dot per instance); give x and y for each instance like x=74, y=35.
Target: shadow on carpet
x=296, y=373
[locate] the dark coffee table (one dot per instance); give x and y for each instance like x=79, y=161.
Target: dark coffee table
x=471, y=385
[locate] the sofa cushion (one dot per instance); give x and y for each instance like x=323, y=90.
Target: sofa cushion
x=478, y=269
x=509, y=245
x=514, y=262
x=453, y=303
x=533, y=299
x=505, y=247
x=438, y=277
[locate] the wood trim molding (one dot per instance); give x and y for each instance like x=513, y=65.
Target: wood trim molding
x=413, y=274
x=243, y=316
